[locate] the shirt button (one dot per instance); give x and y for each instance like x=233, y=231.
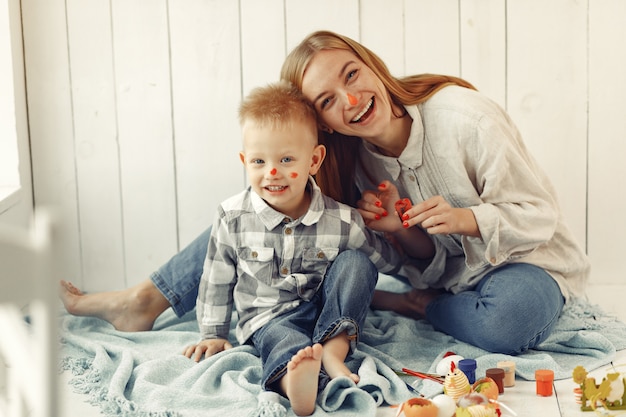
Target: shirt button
x=284, y=270
x=493, y=261
x=412, y=178
x=286, y=220
x=320, y=255
x=288, y=231
x=255, y=254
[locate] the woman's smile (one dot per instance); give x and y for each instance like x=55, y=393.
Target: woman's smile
x=347, y=95
x=365, y=113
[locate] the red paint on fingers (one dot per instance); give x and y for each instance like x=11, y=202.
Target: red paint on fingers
x=402, y=206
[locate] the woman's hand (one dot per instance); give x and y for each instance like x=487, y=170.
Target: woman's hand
x=436, y=216
x=382, y=211
x=206, y=348
x=378, y=208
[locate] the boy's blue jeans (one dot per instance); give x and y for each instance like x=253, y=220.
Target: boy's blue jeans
x=512, y=309
x=340, y=305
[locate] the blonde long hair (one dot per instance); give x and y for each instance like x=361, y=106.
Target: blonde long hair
x=336, y=176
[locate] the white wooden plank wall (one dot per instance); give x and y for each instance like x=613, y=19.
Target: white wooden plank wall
x=16, y=209
x=132, y=106
x=606, y=200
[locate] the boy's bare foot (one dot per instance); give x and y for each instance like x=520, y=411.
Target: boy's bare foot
x=130, y=310
x=300, y=382
x=335, y=353
x=411, y=304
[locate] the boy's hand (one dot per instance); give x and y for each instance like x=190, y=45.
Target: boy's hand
x=206, y=348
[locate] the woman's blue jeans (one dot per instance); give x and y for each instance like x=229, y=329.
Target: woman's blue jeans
x=511, y=310
x=179, y=278
x=514, y=308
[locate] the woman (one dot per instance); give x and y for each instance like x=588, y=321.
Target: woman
x=503, y=251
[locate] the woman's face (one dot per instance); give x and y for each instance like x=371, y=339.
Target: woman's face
x=348, y=96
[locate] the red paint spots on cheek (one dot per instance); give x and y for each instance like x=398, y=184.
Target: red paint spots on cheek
x=273, y=171
x=294, y=175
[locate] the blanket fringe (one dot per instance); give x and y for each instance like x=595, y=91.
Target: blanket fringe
x=87, y=381
x=269, y=406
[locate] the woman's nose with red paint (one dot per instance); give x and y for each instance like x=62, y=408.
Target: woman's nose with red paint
x=273, y=171
x=352, y=100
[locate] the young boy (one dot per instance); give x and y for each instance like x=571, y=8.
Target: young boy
x=271, y=254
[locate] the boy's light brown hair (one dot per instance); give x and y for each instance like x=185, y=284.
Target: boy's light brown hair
x=277, y=105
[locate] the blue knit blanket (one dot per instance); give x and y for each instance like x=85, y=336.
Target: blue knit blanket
x=145, y=374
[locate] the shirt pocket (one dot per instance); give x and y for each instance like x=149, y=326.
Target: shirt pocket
x=257, y=262
x=315, y=261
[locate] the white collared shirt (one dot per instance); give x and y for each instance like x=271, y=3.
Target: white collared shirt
x=465, y=148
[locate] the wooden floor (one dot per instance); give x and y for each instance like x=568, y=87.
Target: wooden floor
x=523, y=400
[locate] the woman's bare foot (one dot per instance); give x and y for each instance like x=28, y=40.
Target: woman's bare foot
x=335, y=353
x=131, y=310
x=411, y=304
x=300, y=382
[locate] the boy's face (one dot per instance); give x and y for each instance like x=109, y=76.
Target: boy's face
x=278, y=162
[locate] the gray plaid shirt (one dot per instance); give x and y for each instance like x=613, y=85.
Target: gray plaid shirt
x=267, y=264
